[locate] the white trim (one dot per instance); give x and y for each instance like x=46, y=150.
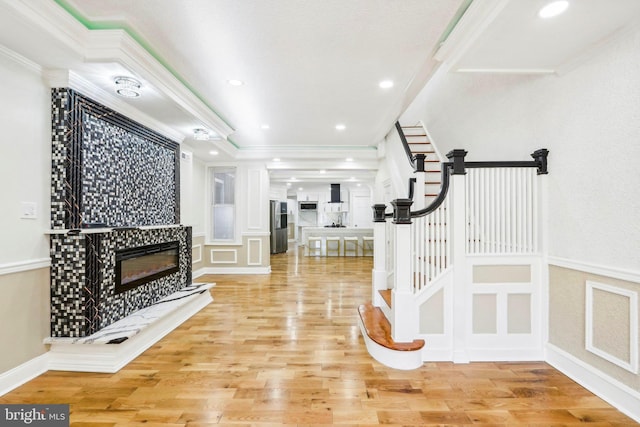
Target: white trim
x=193, y=260
x=630, y=365
x=619, y=395
x=249, y=251
x=197, y=273
x=234, y=270
x=235, y=256
x=112, y=357
x=14, y=378
x=256, y=234
x=27, y=265
x=601, y=270
x=199, y=234
x=19, y=59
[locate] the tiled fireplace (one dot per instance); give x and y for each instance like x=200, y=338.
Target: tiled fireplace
x=115, y=188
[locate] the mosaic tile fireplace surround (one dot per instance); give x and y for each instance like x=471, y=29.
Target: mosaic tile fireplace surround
x=115, y=186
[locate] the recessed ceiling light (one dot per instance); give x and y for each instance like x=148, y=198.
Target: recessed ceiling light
x=293, y=178
x=200, y=134
x=288, y=184
x=213, y=152
x=234, y=82
x=323, y=171
x=300, y=188
x=386, y=84
x=349, y=159
x=127, y=87
x=265, y=126
x=276, y=159
x=340, y=126
x=553, y=9
x=359, y=185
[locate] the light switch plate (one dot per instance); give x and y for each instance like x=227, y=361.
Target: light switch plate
x=29, y=210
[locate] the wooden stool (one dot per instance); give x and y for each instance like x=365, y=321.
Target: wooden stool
x=333, y=245
x=315, y=246
x=350, y=246
x=367, y=246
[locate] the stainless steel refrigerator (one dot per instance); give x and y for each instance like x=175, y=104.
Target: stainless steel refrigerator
x=279, y=239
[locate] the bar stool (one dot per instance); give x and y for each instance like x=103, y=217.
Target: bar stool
x=333, y=245
x=350, y=246
x=315, y=245
x=367, y=246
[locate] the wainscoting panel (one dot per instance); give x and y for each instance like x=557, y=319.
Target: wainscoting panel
x=611, y=324
x=254, y=251
x=196, y=254
x=224, y=256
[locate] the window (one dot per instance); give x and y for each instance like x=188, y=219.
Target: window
x=223, y=207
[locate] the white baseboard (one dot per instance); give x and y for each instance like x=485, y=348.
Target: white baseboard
x=231, y=270
x=505, y=354
x=19, y=375
x=110, y=358
x=617, y=394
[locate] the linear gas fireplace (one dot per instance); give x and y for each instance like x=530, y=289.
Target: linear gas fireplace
x=137, y=266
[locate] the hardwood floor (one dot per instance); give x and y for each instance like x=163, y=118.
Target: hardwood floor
x=285, y=349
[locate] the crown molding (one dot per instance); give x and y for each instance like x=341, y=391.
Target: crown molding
x=19, y=59
x=116, y=45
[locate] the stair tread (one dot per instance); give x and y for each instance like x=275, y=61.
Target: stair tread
x=386, y=296
x=378, y=329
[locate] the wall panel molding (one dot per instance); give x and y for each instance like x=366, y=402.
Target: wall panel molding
x=233, y=251
x=601, y=270
x=27, y=265
x=632, y=363
x=250, y=252
x=199, y=258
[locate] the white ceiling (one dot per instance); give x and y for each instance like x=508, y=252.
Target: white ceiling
x=307, y=64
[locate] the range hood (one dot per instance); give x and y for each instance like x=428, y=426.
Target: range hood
x=335, y=193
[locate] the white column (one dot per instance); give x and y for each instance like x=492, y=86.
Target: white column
x=379, y=273
x=461, y=291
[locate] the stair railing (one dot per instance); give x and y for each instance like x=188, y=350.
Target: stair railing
x=416, y=161
x=490, y=211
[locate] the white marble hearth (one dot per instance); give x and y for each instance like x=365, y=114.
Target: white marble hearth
x=109, y=349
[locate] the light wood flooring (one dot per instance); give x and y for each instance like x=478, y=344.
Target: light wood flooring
x=285, y=349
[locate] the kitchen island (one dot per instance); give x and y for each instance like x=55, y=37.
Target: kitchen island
x=337, y=232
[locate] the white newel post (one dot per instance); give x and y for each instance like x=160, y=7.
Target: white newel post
x=379, y=274
x=461, y=294
x=404, y=325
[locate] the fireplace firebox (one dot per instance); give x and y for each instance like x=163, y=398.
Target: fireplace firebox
x=140, y=265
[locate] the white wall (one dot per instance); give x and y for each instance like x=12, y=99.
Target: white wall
x=25, y=170
x=395, y=168
x=25, y=161
x=588, y=119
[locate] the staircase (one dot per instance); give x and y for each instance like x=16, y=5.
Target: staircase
x=419, y=143
x=436, y=255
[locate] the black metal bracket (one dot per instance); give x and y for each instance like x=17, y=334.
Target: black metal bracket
x=540, y=157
